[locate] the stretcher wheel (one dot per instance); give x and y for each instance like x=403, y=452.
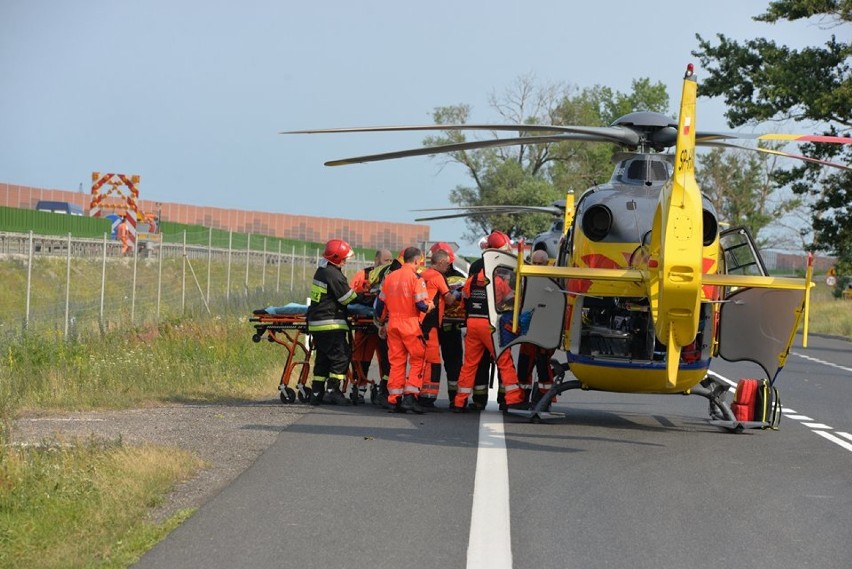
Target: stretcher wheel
x=288, y=395
x=256, y=338
x=303, y=396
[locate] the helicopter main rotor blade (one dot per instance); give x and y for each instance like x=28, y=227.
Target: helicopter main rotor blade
x=616, y=134
x=704, y=137
x=444, y=148
x=486, y=210
x=508, y=207
x=720, y=144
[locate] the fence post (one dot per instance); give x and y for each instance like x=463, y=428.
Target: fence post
x=248, y=258
x=103, y=286
x=278, y=277
x=29, y=282
x=228, y=279
x=292, y=268
x=263, y=274
x=133, y=290
x=68, y=286
x=183, y=278
x=209, y=261
x=160, y=278
x=304, y=261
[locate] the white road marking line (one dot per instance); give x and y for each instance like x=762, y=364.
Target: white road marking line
x=799, y=417
x=817, y=426
x=845, y=436
x=835, y=440
x=733, y=384
x=823, y=362
x=490, y=541
x=785, y=410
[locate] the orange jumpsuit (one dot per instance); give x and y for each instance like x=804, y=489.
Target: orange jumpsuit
x=122, y=233
x=478, y=339
x=436, y=288
x=366, y=343
x=401, y=291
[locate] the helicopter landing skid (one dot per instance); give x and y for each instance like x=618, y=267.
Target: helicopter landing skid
x=541, y=409
x=715, y=390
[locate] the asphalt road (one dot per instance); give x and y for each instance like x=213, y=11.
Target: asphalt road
x=635, y=481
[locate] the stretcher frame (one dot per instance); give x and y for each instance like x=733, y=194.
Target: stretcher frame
x=291, y=332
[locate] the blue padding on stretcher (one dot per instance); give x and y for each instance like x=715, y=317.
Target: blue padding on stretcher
x=293, y=308
x=289, y=308
x=360, y=309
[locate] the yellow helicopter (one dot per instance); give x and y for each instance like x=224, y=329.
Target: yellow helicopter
x=646, y=289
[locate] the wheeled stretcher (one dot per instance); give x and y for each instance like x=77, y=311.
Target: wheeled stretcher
x=287, y=326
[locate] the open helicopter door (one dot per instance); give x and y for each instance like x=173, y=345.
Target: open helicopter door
x=543, y=304
x=755, y=324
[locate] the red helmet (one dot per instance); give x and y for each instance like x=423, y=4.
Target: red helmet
x=336, y=251
x=440, y=245
x=498, y=240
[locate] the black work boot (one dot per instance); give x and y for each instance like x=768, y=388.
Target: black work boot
x=333, y=396
x=317, y=391
x=409, y=403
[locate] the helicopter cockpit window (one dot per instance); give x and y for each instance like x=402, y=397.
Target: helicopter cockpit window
x=646, y=171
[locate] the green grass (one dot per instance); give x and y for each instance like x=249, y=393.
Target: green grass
x=829, y=315
x=194, y=360
x=84, y=504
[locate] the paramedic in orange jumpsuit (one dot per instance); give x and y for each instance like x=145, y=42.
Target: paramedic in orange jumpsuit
x=403, y=298
x=532, y=357
x=365, y=343
x=439, y=293
x=478, y=338
x=122, y=233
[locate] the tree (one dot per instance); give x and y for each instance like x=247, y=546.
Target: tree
x=763, y=81
x=538, y=174
x=739, y=183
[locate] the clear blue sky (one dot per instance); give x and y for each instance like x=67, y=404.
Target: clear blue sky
x=191, y=94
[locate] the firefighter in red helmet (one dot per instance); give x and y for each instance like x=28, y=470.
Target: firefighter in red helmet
x=327, y=323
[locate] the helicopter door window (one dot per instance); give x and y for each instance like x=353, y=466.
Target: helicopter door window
x=740, y=253
x=504, y=293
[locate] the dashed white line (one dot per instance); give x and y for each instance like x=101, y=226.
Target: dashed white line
x=835, y=440
x=799, y=417
x=819, y=428
x=823, y=362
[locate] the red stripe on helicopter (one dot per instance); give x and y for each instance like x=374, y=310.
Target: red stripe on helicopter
x=711, y=292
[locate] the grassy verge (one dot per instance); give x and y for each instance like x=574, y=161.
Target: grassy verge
x=84, y=503
x=830, y=315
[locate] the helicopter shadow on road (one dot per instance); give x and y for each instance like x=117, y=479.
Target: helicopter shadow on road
x=443, y=429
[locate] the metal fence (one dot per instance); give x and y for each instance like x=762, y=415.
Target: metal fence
x=73, y=285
